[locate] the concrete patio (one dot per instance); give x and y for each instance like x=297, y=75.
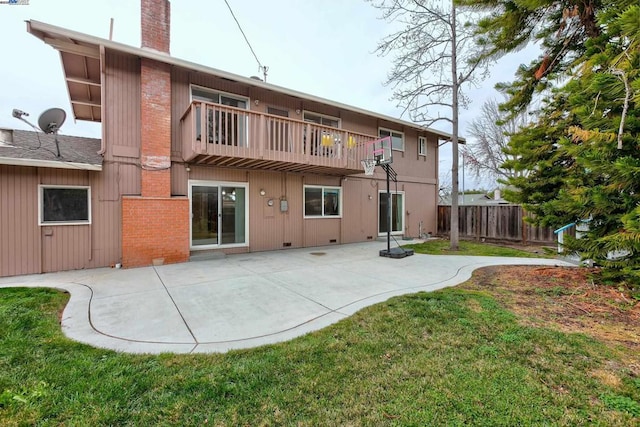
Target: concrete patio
x=243, y=301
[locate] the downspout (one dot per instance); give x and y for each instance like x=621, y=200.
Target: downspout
x=103, y=111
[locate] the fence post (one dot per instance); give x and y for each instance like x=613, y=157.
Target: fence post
x=524, y=225
x=478, y=223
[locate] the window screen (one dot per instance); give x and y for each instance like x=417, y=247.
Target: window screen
x=65, y=205
x=322, y=201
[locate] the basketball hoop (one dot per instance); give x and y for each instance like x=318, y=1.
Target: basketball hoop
x=369, y=165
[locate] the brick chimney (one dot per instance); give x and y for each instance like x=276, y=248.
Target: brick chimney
x=155, y=113
x=155, y=20
x=155, y=225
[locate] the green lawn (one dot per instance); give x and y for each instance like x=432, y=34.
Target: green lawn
x=442, y=247
x=452, y=357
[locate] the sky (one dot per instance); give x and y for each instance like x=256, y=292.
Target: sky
x=320, y=47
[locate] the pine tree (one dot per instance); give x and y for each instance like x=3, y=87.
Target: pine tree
x=583, y=153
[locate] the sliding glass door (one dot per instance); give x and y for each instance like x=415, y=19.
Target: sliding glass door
x=219, y=214
x=397, y=212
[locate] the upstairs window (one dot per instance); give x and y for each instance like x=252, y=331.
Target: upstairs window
x=422, y=146
x=397, y=138
x=222, y=126
x=321, y=119
x=206, y=95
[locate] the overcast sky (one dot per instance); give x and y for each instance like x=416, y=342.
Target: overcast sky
x=320, y=47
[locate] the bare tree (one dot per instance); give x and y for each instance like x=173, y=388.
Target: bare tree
x=485, y=154
x=444, y=186
x=434, y=56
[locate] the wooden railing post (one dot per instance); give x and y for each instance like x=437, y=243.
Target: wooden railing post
x=262, y=135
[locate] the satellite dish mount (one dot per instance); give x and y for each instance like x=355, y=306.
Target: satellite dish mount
x=50, y=122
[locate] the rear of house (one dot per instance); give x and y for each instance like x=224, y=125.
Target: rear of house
x=197, y=159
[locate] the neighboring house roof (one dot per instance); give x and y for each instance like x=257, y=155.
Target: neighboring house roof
x=83, y=53
x=28, y=148
x=473, y=200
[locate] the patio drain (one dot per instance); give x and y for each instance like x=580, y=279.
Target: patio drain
x=317, y=253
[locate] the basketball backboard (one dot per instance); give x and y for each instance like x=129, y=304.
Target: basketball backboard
x=380, y=150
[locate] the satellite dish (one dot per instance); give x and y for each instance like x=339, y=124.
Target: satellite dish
x=51, y=120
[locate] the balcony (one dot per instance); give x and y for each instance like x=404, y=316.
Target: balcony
x=220, y=135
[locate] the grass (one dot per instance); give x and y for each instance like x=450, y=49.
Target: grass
x=452, y=357
x=442, y=247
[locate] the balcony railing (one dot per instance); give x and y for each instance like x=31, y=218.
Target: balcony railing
x=228, y=136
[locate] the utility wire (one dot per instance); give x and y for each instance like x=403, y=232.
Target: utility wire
x=261, y=67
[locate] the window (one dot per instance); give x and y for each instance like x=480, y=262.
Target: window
x=321, y=119
x=322, y=202
x=397, y=212
x=422, y=146
x=208, y=95
x=64, y=205
x=322, y=142
x=223, y=126
x=397, y=138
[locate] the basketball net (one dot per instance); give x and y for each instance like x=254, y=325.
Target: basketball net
x=368, y=165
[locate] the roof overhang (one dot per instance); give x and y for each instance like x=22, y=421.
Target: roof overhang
x=49, y=164
x=81, y=64
x=83, y=58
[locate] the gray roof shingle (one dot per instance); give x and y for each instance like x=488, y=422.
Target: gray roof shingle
x=29, y=145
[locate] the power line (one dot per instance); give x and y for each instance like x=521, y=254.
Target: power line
x=261, y=67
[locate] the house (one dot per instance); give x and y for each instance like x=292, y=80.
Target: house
x=199, y=159
x=476, y=199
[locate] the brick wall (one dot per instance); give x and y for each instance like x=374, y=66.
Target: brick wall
x=155, y=132
x=154, y=228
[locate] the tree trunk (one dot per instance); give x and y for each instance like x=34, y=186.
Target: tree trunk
x=453, y=234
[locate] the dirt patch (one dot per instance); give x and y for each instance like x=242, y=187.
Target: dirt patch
x=568, y=299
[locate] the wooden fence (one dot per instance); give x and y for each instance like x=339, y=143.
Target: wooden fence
x=498, y=223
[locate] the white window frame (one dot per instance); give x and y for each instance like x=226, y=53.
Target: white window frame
x=404, y=203
x=204, y=183
x=219, y=92
x=422, y=146
x=323, y=188
x=322, y=116
x=391, y=133
x=41, y=220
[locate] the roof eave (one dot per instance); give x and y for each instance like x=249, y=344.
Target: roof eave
x=41, y=29
x=55, y=164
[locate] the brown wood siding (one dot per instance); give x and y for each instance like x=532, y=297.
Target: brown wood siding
x=66, y=247
x=122, y=103
x=294, y=223
x=269, y=228
x=106, y=230
x=97, y=245
x=180, y=99
x=359, y=211
x=420, y=207
x=321, y=232
x=359, y=123
x=122, y=137
x=19, y=231
x=267, y=223
x=27, y=248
